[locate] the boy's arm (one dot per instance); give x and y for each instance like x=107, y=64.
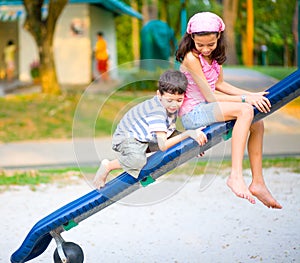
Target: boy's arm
x=165, y=143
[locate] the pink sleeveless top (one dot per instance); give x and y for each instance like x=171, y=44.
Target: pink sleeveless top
x=193, y=95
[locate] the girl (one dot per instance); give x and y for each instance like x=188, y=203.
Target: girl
x=201, y=53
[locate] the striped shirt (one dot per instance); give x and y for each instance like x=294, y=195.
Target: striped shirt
x=142, y=121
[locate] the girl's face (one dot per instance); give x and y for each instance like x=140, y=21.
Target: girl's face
x=206, y=44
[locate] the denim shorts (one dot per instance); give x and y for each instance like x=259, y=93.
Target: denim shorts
x=131, y=155
x=202, y=115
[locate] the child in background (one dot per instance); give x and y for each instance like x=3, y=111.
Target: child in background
x=150, y=121
x=102, y=56
x=9, y=58
x=201, y=53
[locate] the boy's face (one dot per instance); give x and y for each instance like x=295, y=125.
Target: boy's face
x=171, y=102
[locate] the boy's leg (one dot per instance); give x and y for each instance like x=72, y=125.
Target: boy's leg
x=132, y=156
x=255, y=150
x=103, y=171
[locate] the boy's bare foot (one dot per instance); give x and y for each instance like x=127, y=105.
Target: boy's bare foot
x=238, y=186
x=101, y=175
x=263, y=194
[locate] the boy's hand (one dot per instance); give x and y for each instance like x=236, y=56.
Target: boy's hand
x=198, y=135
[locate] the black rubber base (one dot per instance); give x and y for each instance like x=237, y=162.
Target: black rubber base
x=72, y=251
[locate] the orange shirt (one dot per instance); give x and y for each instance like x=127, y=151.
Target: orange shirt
x=101, y=49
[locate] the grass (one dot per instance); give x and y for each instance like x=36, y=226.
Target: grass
x=40, y=116
x=201, y=167
x=24, y=178
x=68, y=175
x=36, y=116
x=293, y=108
x=34, y=178
x=275, y=72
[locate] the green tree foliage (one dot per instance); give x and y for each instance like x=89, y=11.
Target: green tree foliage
x=124, y=40
x=192, y=7
x=273, y=27
x=124, y=26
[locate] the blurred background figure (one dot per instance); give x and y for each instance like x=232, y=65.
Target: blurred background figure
x=101, y=56
x=9, y=59
x=158, y=43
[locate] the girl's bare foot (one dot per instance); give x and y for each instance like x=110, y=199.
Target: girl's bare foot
x=238, y=186
x=263, y=194
x=101, y=175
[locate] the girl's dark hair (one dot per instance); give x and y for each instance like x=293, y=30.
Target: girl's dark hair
x=173, y=82
x=187, y=44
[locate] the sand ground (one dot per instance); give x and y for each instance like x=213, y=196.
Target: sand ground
x=190, y=225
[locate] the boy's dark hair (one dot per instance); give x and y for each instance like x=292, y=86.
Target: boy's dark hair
x=187, y=44
x=172, y=81
x=100, y=34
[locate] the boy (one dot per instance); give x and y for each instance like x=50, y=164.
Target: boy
x=150, y=121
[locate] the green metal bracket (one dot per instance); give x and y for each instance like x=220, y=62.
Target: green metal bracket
x=228, y=135
x=147, y=180
x=69, y=225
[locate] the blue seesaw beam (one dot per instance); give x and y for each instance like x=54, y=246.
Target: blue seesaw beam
x=158, y=164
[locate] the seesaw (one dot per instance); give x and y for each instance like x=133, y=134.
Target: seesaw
x=69, y=216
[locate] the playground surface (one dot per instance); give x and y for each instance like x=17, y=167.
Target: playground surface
x=191, y=226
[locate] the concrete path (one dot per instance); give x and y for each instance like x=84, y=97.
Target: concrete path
x=248, y=79
x=282, y=137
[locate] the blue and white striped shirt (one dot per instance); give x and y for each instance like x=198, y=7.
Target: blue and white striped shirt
x=143, y=120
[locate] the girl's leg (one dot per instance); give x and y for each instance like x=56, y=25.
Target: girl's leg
x=255, y=151
x=103, y=171
x=243, y=113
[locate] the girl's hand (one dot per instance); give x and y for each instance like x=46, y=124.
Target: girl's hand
x=258, y=100
x=198, y=135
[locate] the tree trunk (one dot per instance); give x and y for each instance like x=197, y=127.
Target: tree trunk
x=286, y=53
x=248, y=37
x=230, y=15
x=164, y=11
x=135, y=34
x=295, y=33
x=149, y=10
x=145, y=12
x=42, y=30
x=48, y=75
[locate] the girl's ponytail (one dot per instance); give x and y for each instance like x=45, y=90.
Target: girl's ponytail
x=185, y=46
